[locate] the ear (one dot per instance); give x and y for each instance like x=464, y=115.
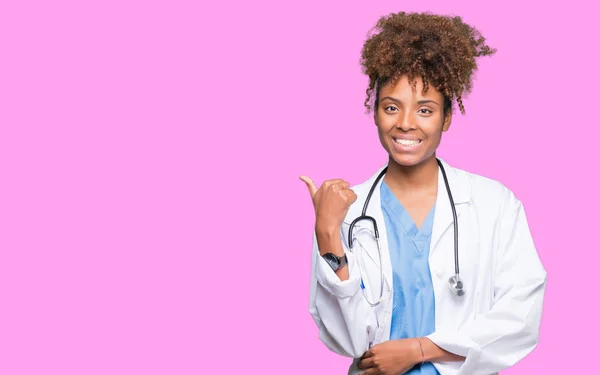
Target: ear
x=447, y=121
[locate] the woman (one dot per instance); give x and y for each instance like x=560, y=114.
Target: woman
x=433, y=298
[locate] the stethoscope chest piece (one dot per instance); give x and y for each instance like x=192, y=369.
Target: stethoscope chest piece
x=456, y=285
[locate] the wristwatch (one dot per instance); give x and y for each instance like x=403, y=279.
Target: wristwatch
x=334, y=261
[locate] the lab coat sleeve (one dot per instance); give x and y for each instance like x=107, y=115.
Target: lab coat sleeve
x=502, y=336
x=345, y=321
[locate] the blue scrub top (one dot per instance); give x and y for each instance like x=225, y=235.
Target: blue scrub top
x=413, y=314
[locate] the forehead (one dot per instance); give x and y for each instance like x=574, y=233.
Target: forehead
x=402, y=89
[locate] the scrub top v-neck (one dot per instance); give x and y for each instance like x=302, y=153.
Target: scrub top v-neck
x=413, y=313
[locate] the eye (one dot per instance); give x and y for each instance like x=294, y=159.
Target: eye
x=391, y=108
x=425, y=111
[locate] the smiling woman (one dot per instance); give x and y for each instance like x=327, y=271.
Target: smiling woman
x=410, y=122
x=377, y=244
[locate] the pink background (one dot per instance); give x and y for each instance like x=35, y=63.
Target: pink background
x=151, y=216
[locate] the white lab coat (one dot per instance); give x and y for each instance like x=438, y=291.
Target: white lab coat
x=494, y=325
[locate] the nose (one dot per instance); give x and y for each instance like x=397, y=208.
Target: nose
x=406, y=121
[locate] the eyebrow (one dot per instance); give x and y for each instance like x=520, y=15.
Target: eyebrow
x=420, y=102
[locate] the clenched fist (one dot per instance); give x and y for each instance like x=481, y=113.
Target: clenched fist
x=331, y=201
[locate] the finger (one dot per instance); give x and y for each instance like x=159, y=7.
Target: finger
x=367, y=354
x=332, y=182
x=347, y=191
x=349, y=195
x=371, y=371
x=366, y=363
x=353, y=197
x=338, y=187
x=312, y=188
x=342, y=185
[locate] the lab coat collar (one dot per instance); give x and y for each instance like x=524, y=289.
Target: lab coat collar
x=459, y=186
x=443, y=218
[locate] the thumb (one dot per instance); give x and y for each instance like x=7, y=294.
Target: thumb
x=312, y=188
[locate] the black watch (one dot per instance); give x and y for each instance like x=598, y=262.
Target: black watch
x=334, y=261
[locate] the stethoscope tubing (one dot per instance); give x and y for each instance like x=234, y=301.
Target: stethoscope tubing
x=456, y=286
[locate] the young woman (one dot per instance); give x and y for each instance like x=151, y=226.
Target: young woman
x=424, y=268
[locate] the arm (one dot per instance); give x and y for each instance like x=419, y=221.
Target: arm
x=398, y=356
x=332, y=243
x=347, y=324
x=501, y=337
x=433, y=353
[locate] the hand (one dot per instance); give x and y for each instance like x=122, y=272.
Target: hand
x=331, y=202
x=394, y=357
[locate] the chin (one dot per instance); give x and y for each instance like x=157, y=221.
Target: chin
x=408, y=160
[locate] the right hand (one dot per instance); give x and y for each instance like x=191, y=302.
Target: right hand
x=331, y=202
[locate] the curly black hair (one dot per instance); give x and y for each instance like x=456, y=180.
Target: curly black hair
x=439, y=49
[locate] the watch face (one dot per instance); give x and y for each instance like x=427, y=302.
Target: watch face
x=332, y=260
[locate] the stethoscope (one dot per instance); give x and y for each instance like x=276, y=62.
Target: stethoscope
x=455, y=283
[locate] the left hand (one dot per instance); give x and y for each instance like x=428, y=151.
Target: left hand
x=394, y=357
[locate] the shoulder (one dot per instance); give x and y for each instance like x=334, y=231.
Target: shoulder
x=487, y=192
x=362, y=190
x=363, y=187
x=482, y=185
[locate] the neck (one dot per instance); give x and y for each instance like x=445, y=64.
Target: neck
x=418, y=178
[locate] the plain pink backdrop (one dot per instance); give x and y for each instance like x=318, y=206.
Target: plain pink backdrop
x=151, y=216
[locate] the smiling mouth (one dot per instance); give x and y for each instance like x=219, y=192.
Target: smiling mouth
x=408, y=142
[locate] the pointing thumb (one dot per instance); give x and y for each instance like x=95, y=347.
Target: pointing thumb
x=312, y=188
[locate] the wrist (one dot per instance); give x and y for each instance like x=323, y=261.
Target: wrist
x=327, y=231
x=330, y=242
x=433, y=353
x=418, y=353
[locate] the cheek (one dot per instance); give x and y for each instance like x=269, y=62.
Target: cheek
x=385, y=123
x=434, y=133
x=383, y=135
x=433, y=128
x=380, y=133
x=434, y=136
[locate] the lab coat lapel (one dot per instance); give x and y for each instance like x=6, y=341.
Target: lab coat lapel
x=443, y=218
x=376, y=212
x=373, y=210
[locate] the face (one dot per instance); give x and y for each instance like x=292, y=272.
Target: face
x=410, y=123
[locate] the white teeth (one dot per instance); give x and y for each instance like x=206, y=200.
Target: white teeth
x=407, y=142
